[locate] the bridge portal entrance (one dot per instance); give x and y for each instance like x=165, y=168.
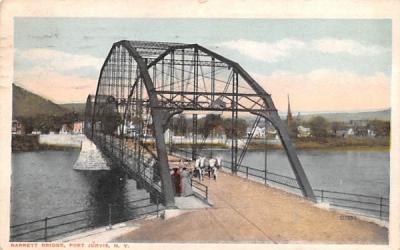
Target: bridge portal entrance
x=142, y=85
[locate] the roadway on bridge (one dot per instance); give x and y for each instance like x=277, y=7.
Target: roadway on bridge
x=247, y=211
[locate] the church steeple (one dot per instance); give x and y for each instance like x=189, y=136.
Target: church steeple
x=289, y=113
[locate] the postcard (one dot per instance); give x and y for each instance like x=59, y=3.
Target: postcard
x=199, y=124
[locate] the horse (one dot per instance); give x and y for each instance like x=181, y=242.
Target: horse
x=213, y=168
x=197, y=168
x=210, y=166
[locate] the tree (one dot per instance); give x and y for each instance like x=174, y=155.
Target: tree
x=292, y=129
x=211, y=121
x=110, y=119
x=239, y=129
x=178, y=125
x=319, y=126
x=335, y=126
x=381, y=128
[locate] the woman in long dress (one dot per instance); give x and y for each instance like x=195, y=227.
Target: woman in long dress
x=186, y=182
x=176, y=181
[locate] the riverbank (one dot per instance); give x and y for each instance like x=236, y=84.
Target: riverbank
x=330, y=143
x=334, y=143
x=26, y=143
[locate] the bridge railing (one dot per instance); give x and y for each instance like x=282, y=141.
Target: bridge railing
x=200, y=189
x=366, y=205
x=252, y=173
x=377, y=207
x=125, y=157
x=62, y=225
x=372, y=206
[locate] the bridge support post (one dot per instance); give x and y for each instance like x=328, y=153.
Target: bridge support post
x=194, y=137
x=292, y=156
x=166, y=182
x=298, y=170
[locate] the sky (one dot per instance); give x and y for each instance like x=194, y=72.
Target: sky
x=325, y=65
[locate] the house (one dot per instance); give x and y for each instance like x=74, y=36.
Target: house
x=78, y=127
x=350, y=132
x=65, y=129
x=303, y=132
x=341, y=132
x=361, y=131
x=271, y=131
x=17, y=128
x=345, y=132
x=261, y=132
x=257, y=132
x=371, y=133
x=359, y=123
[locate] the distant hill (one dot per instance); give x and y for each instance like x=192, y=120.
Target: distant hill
x=28, y=104
x=77, y=107
x=383, y=115
x=345, y=117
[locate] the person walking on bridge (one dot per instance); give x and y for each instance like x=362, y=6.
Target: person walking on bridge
x=186, y=182
x=176, y=181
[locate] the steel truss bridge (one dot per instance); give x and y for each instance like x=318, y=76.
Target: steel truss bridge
x=142, y=85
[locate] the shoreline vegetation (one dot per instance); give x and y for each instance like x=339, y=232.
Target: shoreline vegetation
x=28, y=143
x=356, y=144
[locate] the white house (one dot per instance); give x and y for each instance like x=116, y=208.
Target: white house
x=303, y=131
x=261, y=132
x=350, y=132
x=371, y=133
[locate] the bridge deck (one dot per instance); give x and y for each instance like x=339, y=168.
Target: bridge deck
x=248, y=211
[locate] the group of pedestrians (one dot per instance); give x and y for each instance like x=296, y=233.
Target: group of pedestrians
x=182, y=174
x=182, y=181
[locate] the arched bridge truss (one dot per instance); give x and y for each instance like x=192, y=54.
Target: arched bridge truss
x=143, y=84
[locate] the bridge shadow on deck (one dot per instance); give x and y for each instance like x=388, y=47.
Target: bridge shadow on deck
x=246, y=211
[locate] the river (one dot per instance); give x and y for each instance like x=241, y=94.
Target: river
x=360, y=172
x=45, y=184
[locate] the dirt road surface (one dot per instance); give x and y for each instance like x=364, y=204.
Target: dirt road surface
x=246, y=211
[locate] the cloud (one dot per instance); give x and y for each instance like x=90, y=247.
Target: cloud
x=352, y=47
x=57, y=75
x=317, y=90
x=264, y=51
x=58, y=60
x=56, y=86
x=279, y=50
x=327, y=90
